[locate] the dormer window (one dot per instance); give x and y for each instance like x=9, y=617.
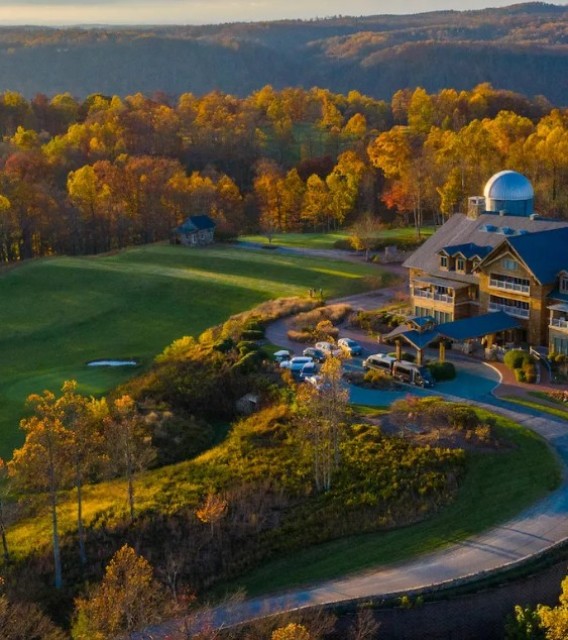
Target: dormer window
x=444, y=262
x=460, y=265
x=475, y=264
x=563, y=285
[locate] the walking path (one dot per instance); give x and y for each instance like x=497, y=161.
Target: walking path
x=533, y=532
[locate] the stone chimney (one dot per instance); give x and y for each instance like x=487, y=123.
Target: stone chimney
x=475, y=207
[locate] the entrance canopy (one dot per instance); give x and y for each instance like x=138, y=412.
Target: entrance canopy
x=459, y=330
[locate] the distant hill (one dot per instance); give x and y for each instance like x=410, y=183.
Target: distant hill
x=523, y=47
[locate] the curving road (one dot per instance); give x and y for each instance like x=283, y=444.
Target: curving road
x=532, y=532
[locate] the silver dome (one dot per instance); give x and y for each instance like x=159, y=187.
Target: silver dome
x=508, y=186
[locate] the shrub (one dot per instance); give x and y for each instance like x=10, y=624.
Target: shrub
x=442, y=370
x=516, y=359
x=378, y=380
x=252, y=334
x=300, y=336
x=529, y=370
x=519, y=375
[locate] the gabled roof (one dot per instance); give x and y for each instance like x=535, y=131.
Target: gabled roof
x=461, y=230
x=468, y=250
x=196, y=223
x=465, y=329
x=544, y=253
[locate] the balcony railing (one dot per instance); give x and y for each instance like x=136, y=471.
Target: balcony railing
x=509, y=286
x=429, y=295
x=512, y=311
x=559, y=323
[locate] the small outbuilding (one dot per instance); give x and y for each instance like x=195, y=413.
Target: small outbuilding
x=194, y=231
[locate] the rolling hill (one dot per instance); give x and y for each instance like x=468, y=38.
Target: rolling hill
x=523, y=48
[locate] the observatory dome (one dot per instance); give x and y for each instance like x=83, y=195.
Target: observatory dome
x=509, y=192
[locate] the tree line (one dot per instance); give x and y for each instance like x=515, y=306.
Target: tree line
x=105, y=173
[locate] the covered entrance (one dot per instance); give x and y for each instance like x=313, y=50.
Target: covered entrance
x=489, y=329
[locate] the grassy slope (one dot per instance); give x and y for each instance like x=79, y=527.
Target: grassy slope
x=59, y=313
x=327, y=240
x=497, y=486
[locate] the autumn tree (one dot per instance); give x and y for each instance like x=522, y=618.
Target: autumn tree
x=127, y=599
x=129, y=443
x=84, y=419
x=26, y=621
x=363, y=233
x=41, y=463
x=291, y=631
x=212, y=510
x=555, y=619
x=322, y=420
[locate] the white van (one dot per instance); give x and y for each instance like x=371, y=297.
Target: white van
x=379, y=361
x=412, y=374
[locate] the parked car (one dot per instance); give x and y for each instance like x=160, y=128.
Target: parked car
x=412, y=374
x=328, y=348
x=316, y=354
x=282, y=355
x=350, y=347
x=296, y=364
x=379, y=361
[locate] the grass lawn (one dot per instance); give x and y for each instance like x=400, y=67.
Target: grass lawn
x=59, y=313
x=539, y=406
x=497, y=486
x=327, y=240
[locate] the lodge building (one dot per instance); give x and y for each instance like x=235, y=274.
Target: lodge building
x=498, y=257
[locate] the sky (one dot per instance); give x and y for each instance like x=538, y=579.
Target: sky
x=66, y=12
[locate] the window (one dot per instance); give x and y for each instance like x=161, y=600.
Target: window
x=475, y=264
x=421, y=312
x=509, y=264
x=460, y=265
x=441, y=317
x=444, y=262
x=560, y=345
x=564, y=284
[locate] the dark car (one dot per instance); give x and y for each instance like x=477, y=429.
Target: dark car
x=315, y=354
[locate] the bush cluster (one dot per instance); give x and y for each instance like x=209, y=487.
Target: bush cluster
x=381, y=321
x=442, y=370
x=318, y=324
x=522, y=364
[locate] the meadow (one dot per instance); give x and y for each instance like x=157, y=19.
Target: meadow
x=59, y=313
x=328, y=240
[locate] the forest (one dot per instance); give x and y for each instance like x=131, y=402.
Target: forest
x=521, y=48
x=84, y=177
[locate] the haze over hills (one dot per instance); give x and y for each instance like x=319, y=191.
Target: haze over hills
x=523, y=47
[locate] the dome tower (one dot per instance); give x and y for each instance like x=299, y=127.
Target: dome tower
x=510, y=193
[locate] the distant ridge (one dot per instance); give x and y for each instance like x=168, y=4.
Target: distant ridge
x=523, y=48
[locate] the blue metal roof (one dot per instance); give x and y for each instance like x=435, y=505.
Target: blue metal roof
x=196, y=223
x=466, y=329
x=468, y=250
x=545, y=253
x=478, y=326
